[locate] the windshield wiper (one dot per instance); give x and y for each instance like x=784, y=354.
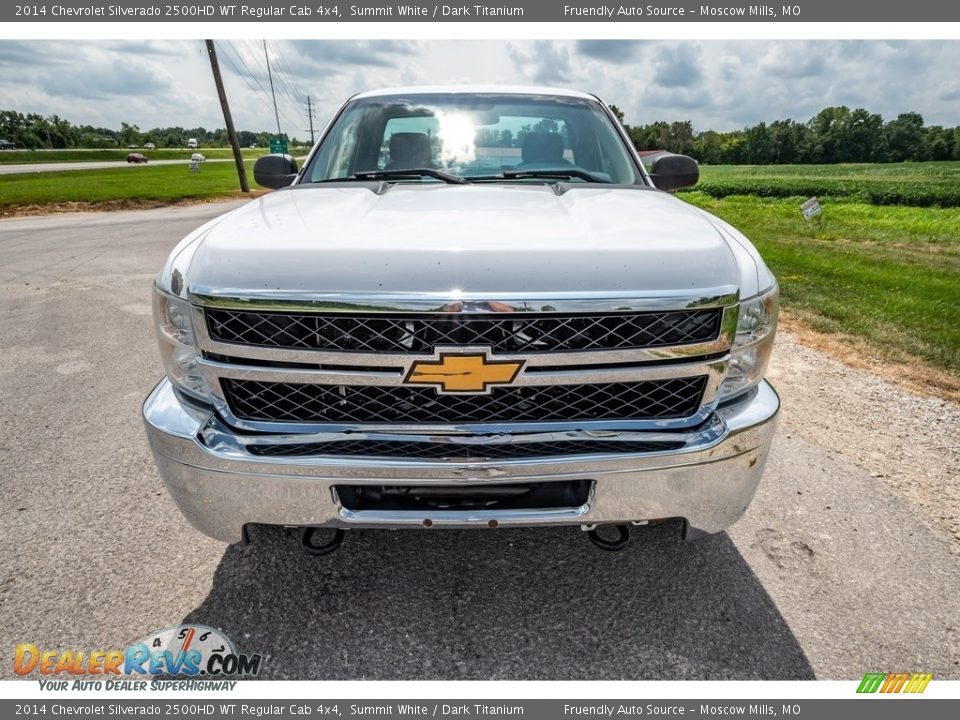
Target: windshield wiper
x=552, y=174
x=560, y=174
x=412, y=172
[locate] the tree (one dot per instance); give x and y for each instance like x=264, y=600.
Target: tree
x=758, y=145
x=905, y=137
x=708, y=147
x=129, y=135
x=939, y=143
x=863, y=140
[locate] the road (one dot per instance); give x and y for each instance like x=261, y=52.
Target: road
x=829, y=575
x=97, y=165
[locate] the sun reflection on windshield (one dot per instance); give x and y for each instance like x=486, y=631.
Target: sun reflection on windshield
x=457, y=134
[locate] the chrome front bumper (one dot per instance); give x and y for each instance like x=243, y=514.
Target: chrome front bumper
x=221, y=487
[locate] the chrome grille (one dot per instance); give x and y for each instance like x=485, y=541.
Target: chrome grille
x=502, y=332
x=356, y=404
x=465, y=451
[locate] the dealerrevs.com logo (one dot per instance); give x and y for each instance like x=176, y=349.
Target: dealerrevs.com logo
x=186, y=650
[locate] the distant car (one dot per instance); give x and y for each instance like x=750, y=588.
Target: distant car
x=136, y=158
x=197, y=157
x=149, y=146
x=132, y=147
x=7, y=145
x=192, y=143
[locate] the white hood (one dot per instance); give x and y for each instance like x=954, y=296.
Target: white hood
x=485, y=239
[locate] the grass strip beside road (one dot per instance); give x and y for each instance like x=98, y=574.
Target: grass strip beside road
x=130, y=183
x=887, y=275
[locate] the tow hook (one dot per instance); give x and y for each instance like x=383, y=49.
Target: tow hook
x=313, y=548
x=622, y=540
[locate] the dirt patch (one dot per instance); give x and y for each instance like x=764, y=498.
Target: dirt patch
x=126, y=204
x=902, y=430
x=898, y=368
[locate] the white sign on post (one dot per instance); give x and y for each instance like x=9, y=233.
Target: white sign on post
x=811, y=208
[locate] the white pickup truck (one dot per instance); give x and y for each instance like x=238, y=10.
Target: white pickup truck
x=471, y=308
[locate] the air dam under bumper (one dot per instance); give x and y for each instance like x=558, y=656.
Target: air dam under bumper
x=220, y=489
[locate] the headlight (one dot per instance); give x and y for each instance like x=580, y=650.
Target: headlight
x=753, y=343
x=178, y=345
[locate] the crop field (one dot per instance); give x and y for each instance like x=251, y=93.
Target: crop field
x=885, y=274
x=925, y=184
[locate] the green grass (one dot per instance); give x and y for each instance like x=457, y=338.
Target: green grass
x=926, y=184
x=132, y=182
x=17, y=157
x=888, y=275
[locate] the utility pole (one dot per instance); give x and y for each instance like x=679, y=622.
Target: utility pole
x=310, y=115
x=227, y=117
x=270, y=75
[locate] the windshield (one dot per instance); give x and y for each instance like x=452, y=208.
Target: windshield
x=480, y=137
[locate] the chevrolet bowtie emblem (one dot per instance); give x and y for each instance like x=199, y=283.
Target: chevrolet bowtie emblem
x=456, y=373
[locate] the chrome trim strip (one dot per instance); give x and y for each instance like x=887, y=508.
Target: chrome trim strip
x=461, y=428
x=220, y=438
x=462, y=517
x=582, y=376
x=457, y=302
x=401, y=361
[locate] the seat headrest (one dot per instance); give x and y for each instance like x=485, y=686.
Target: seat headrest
x=409, y=150
x=542, y=147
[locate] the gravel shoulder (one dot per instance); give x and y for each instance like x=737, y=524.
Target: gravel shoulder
x=907, y=442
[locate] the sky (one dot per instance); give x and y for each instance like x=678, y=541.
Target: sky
x=718, y=84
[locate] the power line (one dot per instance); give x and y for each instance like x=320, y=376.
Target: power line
x=256, y=58
x=254, y=76
x=282, y=74
x=288, y=73
x=233, y=56
x=251, y=80
x=270, y=77
x=248, y=74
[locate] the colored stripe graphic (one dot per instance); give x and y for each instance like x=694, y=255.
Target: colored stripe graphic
x=871, y=682
x=918, y=682
x=894, y=682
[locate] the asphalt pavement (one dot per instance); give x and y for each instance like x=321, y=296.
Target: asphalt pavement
x=829, y=575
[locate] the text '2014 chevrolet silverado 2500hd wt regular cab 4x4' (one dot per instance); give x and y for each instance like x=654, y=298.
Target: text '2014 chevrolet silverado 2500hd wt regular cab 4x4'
x=471, y=308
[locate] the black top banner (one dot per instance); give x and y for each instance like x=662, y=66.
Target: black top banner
x=315, y=11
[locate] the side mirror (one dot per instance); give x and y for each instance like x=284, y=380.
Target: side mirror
x=674, y=172
x=275, y=171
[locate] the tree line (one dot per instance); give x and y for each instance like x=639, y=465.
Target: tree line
x=833, y=135
x=34, y=131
